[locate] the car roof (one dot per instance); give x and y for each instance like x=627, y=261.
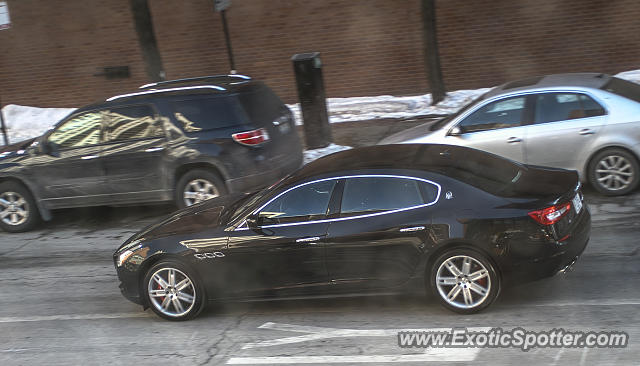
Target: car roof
x=423, y=157
x=582, y=80
x=217, y=85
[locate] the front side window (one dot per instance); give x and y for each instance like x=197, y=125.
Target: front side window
x=552, y=107
x=499, y=114
x=79, y=131
x=129, y=123
x=375, y=194
x=309, y=201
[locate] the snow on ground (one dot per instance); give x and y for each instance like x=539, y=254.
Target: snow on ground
x=311, y=155
x=25, y=122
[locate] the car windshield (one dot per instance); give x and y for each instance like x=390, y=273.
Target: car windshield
x=441, y=123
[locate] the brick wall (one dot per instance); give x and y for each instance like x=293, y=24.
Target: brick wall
x=369, y=47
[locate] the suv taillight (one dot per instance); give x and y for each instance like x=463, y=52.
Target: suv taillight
x=551, y=215
x=251, y=138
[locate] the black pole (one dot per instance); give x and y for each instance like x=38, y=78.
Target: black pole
x=430, y=38
x=227, y=39
x=4, y=128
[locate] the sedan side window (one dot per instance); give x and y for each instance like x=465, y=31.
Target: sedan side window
x=499, y=114
x=375, y=194
x=79, y=131
x=134, y=122
x=552, y=107
x=309, y=201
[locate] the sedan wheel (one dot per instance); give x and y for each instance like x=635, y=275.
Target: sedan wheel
x=172, y=292
x=614, y=172
x=464, y=281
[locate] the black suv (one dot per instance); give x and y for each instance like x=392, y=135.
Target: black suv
x=185, y=140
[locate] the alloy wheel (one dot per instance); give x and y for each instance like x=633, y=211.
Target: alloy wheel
x=171, y=292
x=463, y=282
x=14, y=209
x=614, y=172
x=199, y=190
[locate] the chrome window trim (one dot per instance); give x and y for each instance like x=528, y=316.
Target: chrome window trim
x=243, y=225
x=166, y=90
x=593, y=96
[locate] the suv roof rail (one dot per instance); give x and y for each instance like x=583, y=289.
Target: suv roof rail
x=221, y=79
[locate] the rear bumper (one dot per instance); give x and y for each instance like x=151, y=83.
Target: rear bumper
x=556, y=257
x=274, y=169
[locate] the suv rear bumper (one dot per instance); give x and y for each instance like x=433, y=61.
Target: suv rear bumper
x=279, y=167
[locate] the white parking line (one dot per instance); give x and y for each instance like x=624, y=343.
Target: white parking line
x=432, y=355
x=316, y=333
x=45, y=318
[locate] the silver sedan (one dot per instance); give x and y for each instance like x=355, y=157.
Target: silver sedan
x=587, y=122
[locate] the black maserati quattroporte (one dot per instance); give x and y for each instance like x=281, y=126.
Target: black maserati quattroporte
x=379, y=219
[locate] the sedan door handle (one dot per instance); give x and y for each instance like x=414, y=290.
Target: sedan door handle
x=89, y=157
x=154, y=149
x=410, y=229
x=309, y=240
x=512, y=140
x=587, y=131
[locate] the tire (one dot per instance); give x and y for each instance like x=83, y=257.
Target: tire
x=18, y=209
x=198, y=185
x=450, y=289
x=166, y=298
x=614, y=172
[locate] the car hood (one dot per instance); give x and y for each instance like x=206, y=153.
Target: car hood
x=202, y=216
x=409, y=134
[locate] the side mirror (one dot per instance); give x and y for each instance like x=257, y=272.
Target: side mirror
x=49, y=148
x=254, y=221
x=455, y=131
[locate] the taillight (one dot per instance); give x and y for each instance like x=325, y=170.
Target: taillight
x=551, y=215
x=251, y=138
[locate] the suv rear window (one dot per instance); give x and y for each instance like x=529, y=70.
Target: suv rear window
x=623, y=88
x=261, y=104
x=206, y=113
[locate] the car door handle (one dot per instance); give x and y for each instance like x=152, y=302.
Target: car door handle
x=154, y=149
x=410, y=229
x=512, y=140
x=587, y=131
x=309, y=240
x=89, y=157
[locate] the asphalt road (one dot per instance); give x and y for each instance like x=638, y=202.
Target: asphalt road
x=60, y=305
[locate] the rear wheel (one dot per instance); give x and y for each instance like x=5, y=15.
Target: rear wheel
x=464, y=281
x=197, y=186
x=173, y=292
x=614, y=172
x=18, y=210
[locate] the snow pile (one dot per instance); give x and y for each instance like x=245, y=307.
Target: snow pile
x=387, y=106
x=311, y=155
x=24, y=122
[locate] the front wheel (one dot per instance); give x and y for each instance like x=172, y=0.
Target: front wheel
x=464, y=281
x=173, y=292
x=18, y=210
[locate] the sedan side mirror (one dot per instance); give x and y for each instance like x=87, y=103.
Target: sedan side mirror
x=254, y=221
x=455, y=131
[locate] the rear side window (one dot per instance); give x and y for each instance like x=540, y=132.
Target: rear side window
x=261, y=104
x=129, y=123
x=499, y=114
x=206, y=113
x=552, y=107
x=374, y=194
x=623, y=88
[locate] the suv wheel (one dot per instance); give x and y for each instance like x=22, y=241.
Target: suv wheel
x=197, y=186
x=18, y=210
x=614, y=172
x=464, y=281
